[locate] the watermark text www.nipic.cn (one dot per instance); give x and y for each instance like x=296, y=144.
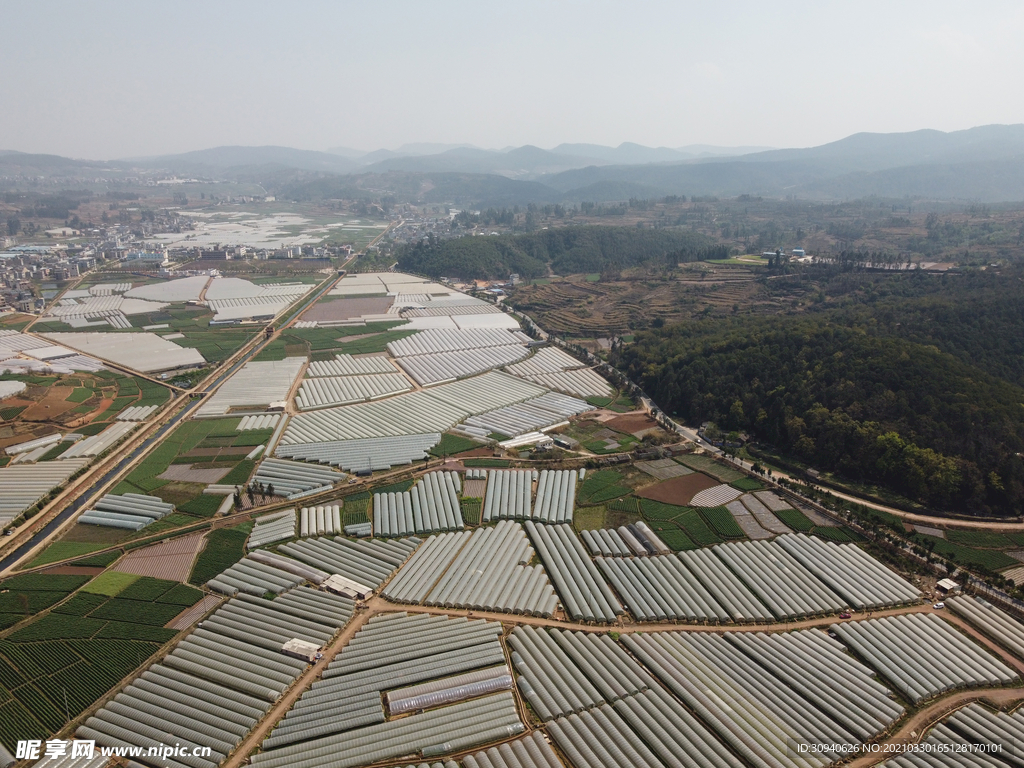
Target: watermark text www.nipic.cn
x=54, y=748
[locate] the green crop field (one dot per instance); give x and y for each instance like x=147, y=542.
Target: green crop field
x=795, y=519
x=747, y=484
x=659, y=510
x=63, y=550
x=471, y=509
x=603, y=485
x=452, y=444
x=674, y=537
x=838, y=534
x=980, y=539
x=110, y=583
x=697, y=529
x=709, y=466
x=101, y=560
x=188, y=498
x=723, y=523
x=224, y=548
x=630, y=505
x=58, y=665
x=80, y=394
x=485, y=463
x=989, y=559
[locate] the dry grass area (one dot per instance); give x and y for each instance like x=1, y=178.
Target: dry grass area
x=53, y=404
x=578, y=307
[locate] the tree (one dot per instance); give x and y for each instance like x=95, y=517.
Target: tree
x=13, y=226
x=270, y=489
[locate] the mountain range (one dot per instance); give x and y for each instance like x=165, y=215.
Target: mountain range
x=983, y=164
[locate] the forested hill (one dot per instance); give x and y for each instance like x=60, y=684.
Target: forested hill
x=895, y=392
x=569, y=250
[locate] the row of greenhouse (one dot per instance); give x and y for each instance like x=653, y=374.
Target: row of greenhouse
x=270, y=528
x=486, y=569
x=454, y=664
x=431, y=505
x=292, y=478
x=761, y=699
x=320, y=521
x=972, y=736
x=327, y=391
x=634, y=539
x=374, y=453
x=446, y=340
x=545, y=411
x=133, y=511
x=509, y=495
x=216, y=684
x=793, y=576
x=439, y=367
x=561, y=672
x=922, y=655
x=584, y=593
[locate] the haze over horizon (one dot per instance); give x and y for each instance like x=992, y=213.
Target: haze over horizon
x=136, y=81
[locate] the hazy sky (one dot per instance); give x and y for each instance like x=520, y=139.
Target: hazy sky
x=103, y=80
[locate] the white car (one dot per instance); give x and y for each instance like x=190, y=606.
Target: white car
x=939, y=606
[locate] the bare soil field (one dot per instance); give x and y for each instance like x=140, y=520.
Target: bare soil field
x=186, y=473
x=632, y=423
x=678, y=490
x=171, y=560
x=75, y=570
x=347, y=309
x=54, y=404
x=190, y=616
x=474, y=488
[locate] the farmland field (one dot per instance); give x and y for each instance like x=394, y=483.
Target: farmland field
x=59, y=664
x=224, y=548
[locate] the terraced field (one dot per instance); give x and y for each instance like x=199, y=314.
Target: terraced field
x=581, y=307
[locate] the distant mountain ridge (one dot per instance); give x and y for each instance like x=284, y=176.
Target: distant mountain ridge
x=984, y=164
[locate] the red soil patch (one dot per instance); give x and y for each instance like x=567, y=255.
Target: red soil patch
x=678, y=490
x=55, y=404
x=630, y=423
x=75, y=570
x=485, y=452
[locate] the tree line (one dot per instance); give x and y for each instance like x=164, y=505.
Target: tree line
x=922, y=396
x=566, y=250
